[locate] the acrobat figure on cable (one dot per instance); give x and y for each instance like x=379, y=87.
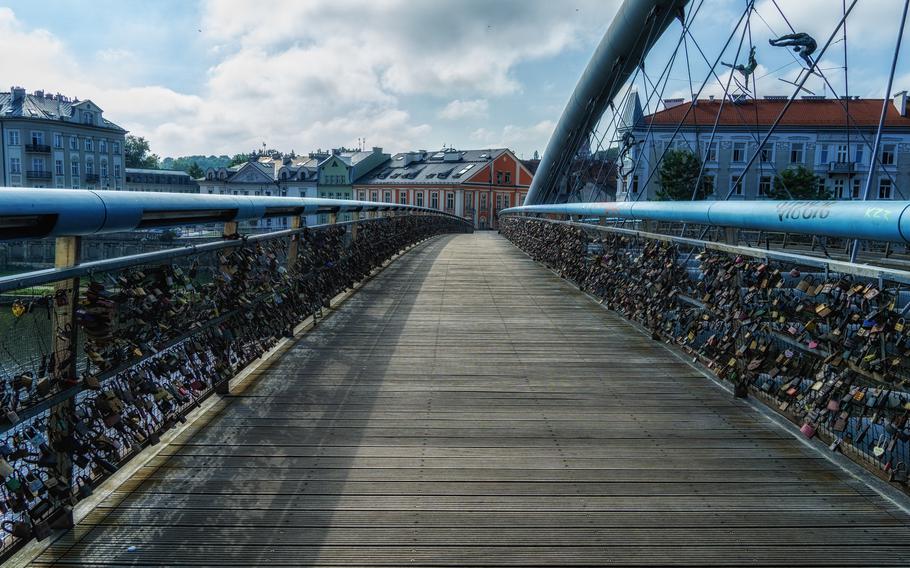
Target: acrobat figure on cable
x=745, y=70
x=802, y=43
x=628, y=142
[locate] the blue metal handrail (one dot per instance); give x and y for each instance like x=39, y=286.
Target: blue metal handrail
x=38, y=213
x=886, y=221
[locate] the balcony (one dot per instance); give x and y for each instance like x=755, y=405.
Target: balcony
x=841, y=167
x=38, y=148
x=38, y=175
x=92, y=178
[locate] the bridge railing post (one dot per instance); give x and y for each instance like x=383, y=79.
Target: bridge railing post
x=294, y=244
x=65, y=346
x=223, y=387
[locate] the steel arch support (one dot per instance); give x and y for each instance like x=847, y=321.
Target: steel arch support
x=613, y=62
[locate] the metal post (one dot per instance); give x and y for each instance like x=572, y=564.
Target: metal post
x=296, y=222
x=65, y=342
x=230, y=230
x=355, y=225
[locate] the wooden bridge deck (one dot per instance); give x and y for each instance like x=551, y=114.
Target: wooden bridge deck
x=466, y=407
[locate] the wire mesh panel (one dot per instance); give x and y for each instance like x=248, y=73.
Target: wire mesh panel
x=831, y=351
x=151, y=340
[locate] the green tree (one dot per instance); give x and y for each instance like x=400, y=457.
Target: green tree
x=195, y=171
x=239, y=159
x=138, y=154
x=678, y=174
x=798, y=183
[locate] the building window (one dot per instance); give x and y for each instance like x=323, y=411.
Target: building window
x=736, y=184
x=387, y=196
x=839, y=186
x=38, y=164
x=797, y=150
x=764, y=186
x=419, y=198
x=739, y=151
x=103, y=171
x=117, y=171
x=888, y=156
x=74, y=169
x=89, y=145
x=37, y=138
x=822, y=187
x=403, y=198
x=635, y=184
x=884, y=188
x=374, y=196
x=58, y=140
x=102, y=146
x=711, y=155
x=483, y=201
x=767, y=153
x=468, y=200
x=508, y=178
x=434, y=200
x=89, y=166
x=823, y=154
x=843, y=154
x=498, y=178
x=505, y=201
x=858, y=155
x=115, y=148
x=88, y=118
x=13, y=137
x=450, y=201
x=74, y=143
x=857, y=189
x=58, y=167
x=15, y=166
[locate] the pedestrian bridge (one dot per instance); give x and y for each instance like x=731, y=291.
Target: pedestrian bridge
x=468, y=407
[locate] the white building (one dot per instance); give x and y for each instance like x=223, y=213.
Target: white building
x=49, y=140
x=831, y=137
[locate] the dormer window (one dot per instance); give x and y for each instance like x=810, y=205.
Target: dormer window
x=88, y=117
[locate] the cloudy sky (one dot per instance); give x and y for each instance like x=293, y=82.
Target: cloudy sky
x=224, y=76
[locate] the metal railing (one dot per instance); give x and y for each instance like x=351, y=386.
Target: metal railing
x=98, y=359
x=823, y=342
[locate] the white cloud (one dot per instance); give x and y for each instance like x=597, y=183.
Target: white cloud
x=533, y=137
x=304, y=74
x=458, y=109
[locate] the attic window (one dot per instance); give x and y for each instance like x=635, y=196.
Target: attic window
x=445, y=174
x=431, y=176
x=438, y=156
x=484, y=155
x=463, y=171
x=395, y=175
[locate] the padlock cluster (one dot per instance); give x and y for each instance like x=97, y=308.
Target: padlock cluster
x=155, y=341
x=830, y=352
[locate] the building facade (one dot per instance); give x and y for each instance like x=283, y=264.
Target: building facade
x=830, y=137
x=265, y=176
x=474, y=184
x=165, y=181
x=339, y=169
x=49, y=140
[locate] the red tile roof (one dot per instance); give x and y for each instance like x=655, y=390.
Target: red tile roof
x=802, y=112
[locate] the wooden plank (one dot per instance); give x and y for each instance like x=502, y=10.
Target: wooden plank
x=466, y=407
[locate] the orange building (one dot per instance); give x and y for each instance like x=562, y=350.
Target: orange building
x=475, y=184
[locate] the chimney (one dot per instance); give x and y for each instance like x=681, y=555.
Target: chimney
x=711, y=97
x=670, y=103
x=17, y=93
x=900, y=102
x=377, y=150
